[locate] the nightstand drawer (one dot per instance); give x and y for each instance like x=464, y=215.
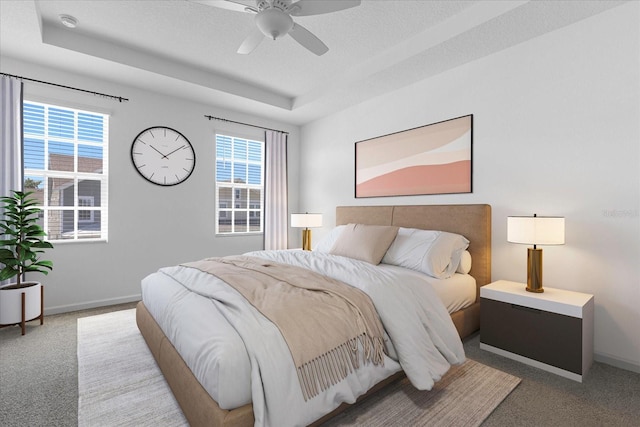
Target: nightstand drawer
x=547, y=337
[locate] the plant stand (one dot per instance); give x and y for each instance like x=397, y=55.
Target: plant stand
x=24, y=320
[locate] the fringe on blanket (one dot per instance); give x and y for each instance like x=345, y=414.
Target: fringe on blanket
x=332, y=367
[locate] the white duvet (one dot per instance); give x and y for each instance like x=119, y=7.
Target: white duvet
x=424, y=339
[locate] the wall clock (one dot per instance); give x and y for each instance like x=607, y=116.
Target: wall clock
x=163, y=156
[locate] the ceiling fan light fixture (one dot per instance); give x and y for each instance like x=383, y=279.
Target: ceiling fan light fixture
x=274, y=23
x=273, y=19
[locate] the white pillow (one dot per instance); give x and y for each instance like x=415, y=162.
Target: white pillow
x=326, y=243
x=364, y=242
x=465, y=263
x=436, y=253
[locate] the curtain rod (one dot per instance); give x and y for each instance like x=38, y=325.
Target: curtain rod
x=119, y=98
x=246, y=124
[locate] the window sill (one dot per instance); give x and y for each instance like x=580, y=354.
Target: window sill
x=72, y=241
x=239, y=234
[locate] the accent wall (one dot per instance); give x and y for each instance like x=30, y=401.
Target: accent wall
x=556, y=131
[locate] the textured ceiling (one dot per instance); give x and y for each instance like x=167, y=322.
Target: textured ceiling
x=188, y=49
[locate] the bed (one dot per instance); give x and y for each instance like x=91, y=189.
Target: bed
x=471, y=221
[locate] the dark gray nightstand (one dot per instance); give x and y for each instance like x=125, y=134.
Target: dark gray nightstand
x=551, y=330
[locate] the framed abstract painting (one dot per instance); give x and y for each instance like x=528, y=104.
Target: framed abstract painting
x=431, y=159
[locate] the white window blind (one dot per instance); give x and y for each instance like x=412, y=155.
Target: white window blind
x=239, y=185
x=66, y=167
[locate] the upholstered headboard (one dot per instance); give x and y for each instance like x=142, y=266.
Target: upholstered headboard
x=472, y=221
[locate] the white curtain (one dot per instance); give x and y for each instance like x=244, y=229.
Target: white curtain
x=275, y=191
x=10, y=137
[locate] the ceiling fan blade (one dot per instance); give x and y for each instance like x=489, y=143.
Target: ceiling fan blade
x=251, y=42
x=308, y=40
x=235, y=5
x=315, y=7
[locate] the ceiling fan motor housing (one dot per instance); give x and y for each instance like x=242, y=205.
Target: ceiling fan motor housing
x=280, y=4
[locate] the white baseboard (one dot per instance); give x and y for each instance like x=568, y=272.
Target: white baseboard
x=598, y=357
x=616, y=362
x=91, y=304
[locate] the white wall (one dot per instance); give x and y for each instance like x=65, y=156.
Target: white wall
x=556, y=132
x=149, y=226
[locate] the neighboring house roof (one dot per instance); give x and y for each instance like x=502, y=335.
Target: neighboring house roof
x=63, y=162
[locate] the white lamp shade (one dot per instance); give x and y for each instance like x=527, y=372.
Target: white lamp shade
x=536, y=230
x=306, y=220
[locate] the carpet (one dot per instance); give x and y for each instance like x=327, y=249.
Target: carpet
x=119, y=384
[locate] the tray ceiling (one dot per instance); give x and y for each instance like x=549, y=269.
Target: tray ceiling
x=187, y=49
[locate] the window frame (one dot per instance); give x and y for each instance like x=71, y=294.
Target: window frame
x=230, y=208
x=79, y=145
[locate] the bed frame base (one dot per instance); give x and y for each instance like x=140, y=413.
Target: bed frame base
x=198, y=407
x=472, y=221
x=201, y=410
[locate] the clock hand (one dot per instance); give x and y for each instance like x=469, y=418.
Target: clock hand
x=158, y=151
x=179, y=148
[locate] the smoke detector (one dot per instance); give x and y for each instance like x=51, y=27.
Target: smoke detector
x=68, y=21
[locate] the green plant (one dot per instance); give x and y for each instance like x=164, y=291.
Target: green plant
x=22, y=238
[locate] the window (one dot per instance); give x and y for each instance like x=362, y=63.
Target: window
x=239, y=185
x=65, y=166
x=85, y=215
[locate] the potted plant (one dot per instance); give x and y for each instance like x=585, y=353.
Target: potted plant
x=20, y=248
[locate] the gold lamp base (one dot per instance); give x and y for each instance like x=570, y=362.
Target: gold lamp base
x=534, y=270
x=306, y=239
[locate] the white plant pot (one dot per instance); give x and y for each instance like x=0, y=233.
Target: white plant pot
x=11, y=303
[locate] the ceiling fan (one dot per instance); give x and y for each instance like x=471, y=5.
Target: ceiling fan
x=274, y=19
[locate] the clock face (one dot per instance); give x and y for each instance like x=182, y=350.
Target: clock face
x=163, y=156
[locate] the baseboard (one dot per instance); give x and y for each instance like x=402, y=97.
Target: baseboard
x=616, y=362
x=91, y=304
x=598, y=357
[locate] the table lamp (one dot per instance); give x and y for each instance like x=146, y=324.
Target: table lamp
x=306, y=220
x=535, y=230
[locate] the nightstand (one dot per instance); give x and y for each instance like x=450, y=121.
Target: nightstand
x=552, y=330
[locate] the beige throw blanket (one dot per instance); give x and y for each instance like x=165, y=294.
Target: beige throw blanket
x=321, y=319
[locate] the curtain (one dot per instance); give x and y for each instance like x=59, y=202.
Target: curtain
x=10, y=137
x=275, y=191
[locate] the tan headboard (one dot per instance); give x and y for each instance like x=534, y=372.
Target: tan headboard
x=472, y=221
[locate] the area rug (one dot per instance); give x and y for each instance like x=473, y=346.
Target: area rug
x=119, y=384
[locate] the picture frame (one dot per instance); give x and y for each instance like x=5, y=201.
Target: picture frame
x=430, y=159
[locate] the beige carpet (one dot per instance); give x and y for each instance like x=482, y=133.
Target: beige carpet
x=119, y=384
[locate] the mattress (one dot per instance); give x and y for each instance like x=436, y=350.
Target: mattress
x=456, y=292
x=217, y=356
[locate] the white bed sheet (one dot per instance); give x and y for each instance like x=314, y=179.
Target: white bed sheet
x=216, y=355
x=456, y=292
